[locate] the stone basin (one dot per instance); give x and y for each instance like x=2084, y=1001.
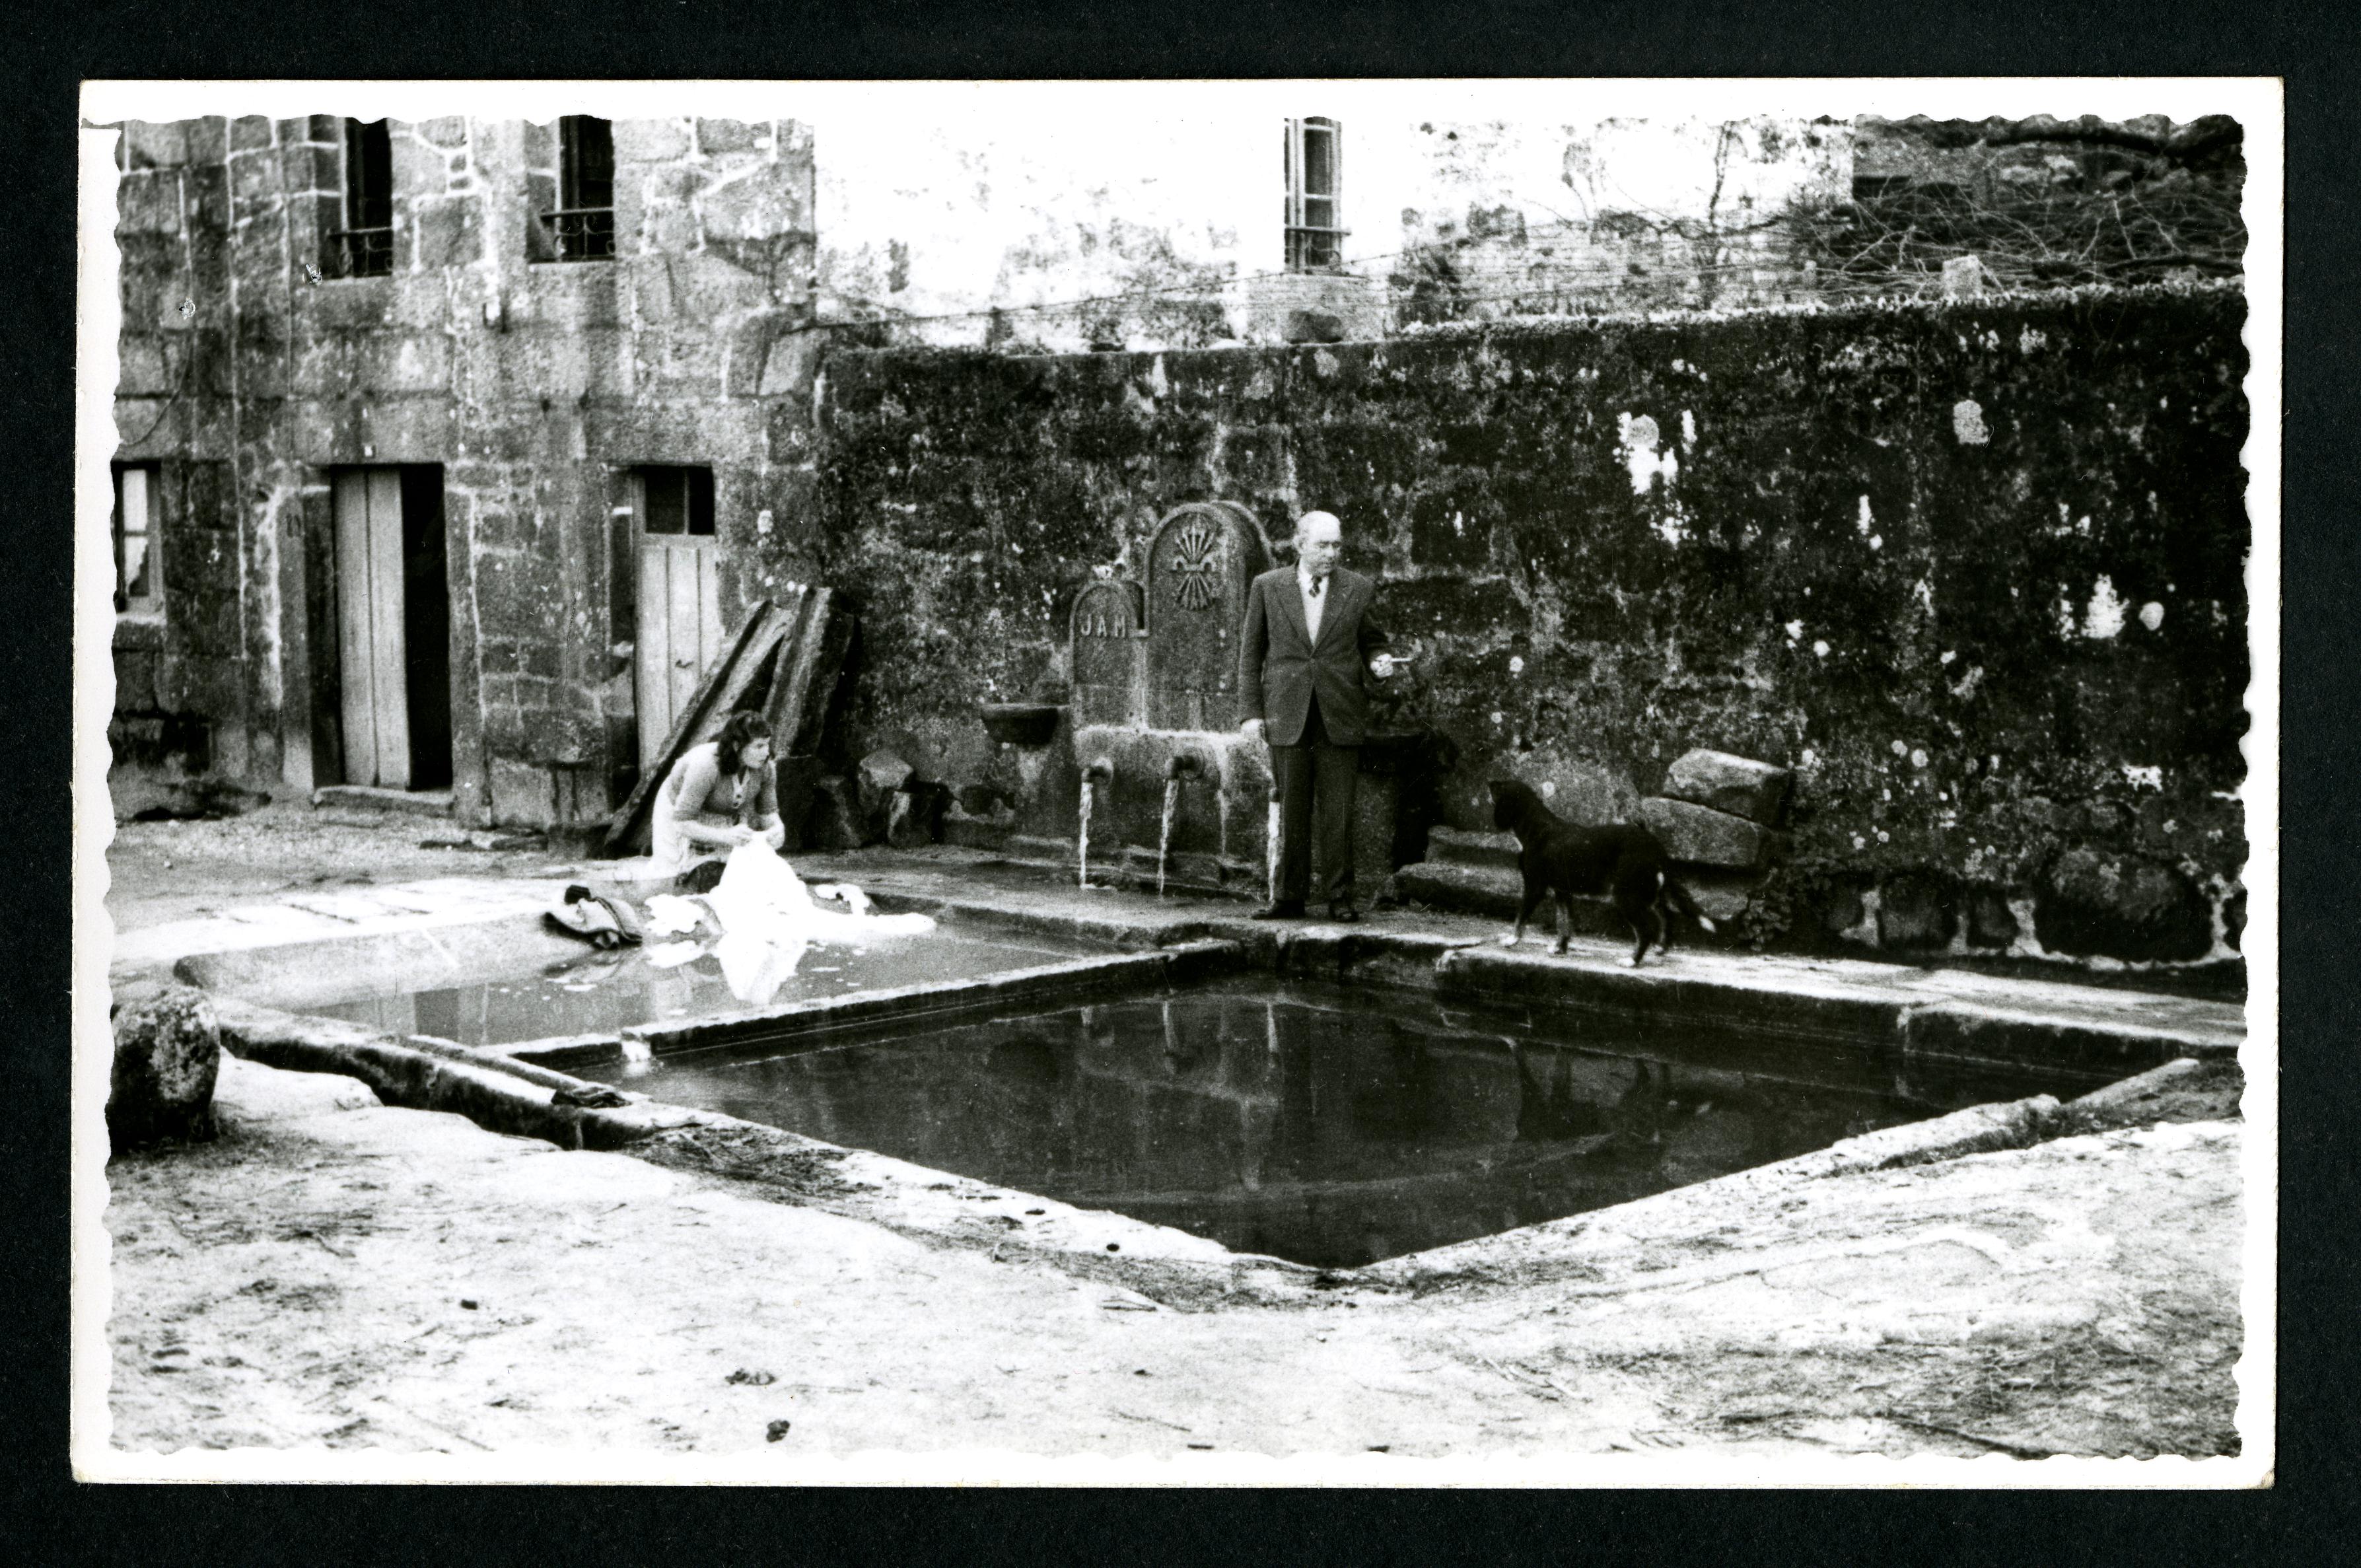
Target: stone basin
x=1020, y=723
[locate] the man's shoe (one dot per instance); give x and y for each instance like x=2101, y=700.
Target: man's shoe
x=1285, y=909
x=1342, y=914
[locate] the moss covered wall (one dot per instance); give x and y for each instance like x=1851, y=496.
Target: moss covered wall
x=1974, y=571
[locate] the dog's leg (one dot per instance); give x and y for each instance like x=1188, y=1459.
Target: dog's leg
x=1564, y=902
x=1525, y=908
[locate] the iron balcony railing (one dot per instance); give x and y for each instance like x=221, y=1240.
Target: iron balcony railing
x=1315, y=247
x=360, y=253
x=582, y=233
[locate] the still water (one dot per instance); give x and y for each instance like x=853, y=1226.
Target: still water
x=600, y=993
x=1329, y=1126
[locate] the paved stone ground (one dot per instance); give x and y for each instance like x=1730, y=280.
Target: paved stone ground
x=302, y=1281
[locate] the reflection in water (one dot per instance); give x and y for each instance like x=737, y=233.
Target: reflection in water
x=600, y=993
x=1309, y=1124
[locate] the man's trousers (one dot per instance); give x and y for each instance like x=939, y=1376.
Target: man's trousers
x=1315, y=782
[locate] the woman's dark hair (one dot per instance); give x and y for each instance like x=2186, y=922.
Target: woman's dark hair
x=740, y=730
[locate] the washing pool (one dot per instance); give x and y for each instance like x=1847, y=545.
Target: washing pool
x=593, y=993
x=1329, y=1125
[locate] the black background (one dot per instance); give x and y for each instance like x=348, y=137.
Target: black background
x=46, y=1518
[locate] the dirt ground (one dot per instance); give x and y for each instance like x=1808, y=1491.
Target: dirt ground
x=331, y=1273
x=161, y=871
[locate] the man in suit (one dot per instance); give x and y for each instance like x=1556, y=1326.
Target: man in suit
x=1303, y=659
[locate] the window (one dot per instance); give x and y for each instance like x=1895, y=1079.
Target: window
x=364, y=246
x=584, y=224
x=676, y=500
x=138, y=580
x=1314, y=160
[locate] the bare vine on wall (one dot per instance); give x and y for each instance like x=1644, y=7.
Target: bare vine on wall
x=2042, y=203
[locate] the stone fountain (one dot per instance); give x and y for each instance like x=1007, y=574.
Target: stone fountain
x=1148, y=751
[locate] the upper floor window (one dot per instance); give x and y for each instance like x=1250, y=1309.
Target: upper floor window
x=1315, y=206
x=364, y=246
x=583, y=226
x=138, y=581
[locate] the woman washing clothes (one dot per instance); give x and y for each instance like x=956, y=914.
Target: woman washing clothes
x=719, y=795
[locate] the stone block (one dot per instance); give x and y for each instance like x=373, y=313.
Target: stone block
x=883, y=772
x=728, y=135
x=148, y=144
x=307, y=168
x=2096, y=903
x=1916, y=911
x=975, y=832
x=651, y=141
x=560, y=737
x=148, y=204
x=402, y=362
x=1458, y=847
x=1722, y=897
x=167, y=1057
x=523, y=794
x=255, y=188
x=248, y=132
x=1468, y=889
x=143, y=369
x=1312, y=326
x=1739, y=786
x=446, y=131
x=1702, y=836
x=1990, y=922
x=450, y=233
x=208, y=138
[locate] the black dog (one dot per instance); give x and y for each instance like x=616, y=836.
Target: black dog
x=1566, y=862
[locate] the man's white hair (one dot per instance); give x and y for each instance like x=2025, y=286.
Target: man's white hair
x=1309, y=518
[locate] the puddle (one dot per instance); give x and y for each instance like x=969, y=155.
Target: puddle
x=1317, y=1124
x=599, y=992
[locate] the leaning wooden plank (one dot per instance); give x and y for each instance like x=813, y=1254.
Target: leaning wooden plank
x=724, y=683
x=805, y=607
x=798, y=705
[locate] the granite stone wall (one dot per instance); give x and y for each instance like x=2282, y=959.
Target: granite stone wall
x=1974, y=571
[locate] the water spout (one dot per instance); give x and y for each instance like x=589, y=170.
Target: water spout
x=1100, y=771
x=1181, y=766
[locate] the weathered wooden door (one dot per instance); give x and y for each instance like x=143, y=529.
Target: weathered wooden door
x=393, y=626
x=370, y=601
x=678, y=606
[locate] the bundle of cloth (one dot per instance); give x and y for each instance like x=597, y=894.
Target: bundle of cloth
x=760, y=919
x=601, y=920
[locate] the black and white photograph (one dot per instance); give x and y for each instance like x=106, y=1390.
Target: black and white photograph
x=1387, y=783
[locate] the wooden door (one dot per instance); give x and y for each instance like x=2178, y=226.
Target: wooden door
x=678, y=600
x=370, y=606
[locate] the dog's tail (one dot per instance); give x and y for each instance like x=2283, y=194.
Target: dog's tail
x=1678, y=898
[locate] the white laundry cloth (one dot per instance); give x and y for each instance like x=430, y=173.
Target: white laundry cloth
x=766, y=919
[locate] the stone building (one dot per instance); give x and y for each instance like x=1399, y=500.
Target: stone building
x=442, y=440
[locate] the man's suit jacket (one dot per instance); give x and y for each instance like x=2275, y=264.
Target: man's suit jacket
x=1281, y=669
